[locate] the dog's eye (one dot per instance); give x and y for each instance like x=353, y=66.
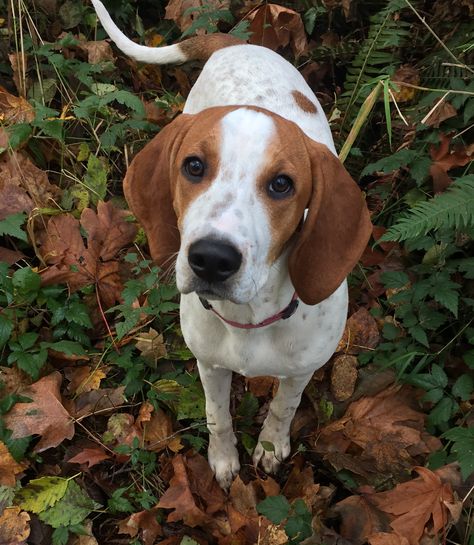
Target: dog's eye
x=280, y=187
x=194, y=168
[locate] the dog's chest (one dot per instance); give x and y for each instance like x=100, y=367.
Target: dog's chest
x=288, y=348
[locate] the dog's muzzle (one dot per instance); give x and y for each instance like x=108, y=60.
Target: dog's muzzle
x=214, y=260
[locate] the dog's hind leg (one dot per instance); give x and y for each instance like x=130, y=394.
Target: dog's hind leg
x=222, y=454
x=276, y=428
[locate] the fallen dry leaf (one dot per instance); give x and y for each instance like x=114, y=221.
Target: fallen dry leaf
x=360, y=519
x=381, y=433
x=14, y=526
x=444, y=160
x=361, y=333
x=176, y=10
x=417, y=505
x=9, y=467
x=275, y=26
x=193, y=493
x=100, y=400
x=384, y=538
x=13, y=380
x=83, y=379
x=98, y=51
x=441, y=111
x=151, y=345
x=241, y=510
x=44, y=416
x=14, y=109
x=156, y=429
x=17, y=169
x=90, y=456
x=63, y=248
x=405, y=74
x=143, y=523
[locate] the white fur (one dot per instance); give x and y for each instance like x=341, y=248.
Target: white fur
x=289, y=349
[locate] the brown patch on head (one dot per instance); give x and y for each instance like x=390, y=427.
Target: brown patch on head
x=285, y=155
x=304, y=102
x=155, y=186
x=200, y=48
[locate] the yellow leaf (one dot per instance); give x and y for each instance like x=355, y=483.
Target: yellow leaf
x=39, y=494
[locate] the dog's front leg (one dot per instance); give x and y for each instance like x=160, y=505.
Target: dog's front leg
x=276, y=428
x=222, y=454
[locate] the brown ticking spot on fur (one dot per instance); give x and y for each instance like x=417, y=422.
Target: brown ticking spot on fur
x=304, y=102
x=200, y=48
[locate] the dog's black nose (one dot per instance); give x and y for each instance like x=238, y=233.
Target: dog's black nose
x=213, y=260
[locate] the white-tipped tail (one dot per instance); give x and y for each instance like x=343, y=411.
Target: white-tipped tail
x=152, y=55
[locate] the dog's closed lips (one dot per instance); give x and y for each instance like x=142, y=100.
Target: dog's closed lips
x=245, y=187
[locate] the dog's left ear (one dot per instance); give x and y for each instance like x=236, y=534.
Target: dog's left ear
x=335, y=232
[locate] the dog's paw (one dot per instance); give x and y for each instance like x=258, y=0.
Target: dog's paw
x=223, y=458
x=273, y=451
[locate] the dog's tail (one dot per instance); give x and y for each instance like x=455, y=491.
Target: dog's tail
x=197, y=48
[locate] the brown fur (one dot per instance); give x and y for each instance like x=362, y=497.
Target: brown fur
x=336, y=230
x=200, y=48
x=304, y=102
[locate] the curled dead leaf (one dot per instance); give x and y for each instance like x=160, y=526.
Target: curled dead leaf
x=144, y=524
x=14, y=526
x=275, y=26
x=361, y=333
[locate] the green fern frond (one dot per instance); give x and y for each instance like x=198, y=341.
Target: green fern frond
x=377, y=56
x=453, y=209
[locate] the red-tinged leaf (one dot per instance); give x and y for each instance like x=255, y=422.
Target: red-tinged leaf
x=44, y=416
x=417, y=506
x=90, y=457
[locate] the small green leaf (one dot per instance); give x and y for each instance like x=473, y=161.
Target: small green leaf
x=70, y=348
x=191, y=403
x=275, y=508
x=74, y=506
x=463, y=387
x=268, y=446
x=11, y=226
x=6, y=328
x=40, y=494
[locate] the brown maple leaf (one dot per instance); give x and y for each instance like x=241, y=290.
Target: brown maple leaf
x=63, y=248
x=275, y=26
x=44, y=416
x=156, y=429
x=381, y=433
x=193, y=493
x=416, y=506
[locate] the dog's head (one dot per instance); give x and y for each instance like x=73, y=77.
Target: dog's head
x=226, y=190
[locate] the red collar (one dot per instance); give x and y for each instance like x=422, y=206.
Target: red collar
x=284, y=314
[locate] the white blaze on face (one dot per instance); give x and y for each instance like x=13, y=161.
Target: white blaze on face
x=231, y=209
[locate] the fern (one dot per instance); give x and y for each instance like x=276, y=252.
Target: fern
x=376, y=57
x=453, y=209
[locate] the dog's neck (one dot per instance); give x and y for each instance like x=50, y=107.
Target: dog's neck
x=273, y=297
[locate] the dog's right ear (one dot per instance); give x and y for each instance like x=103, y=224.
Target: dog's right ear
x=148, y=190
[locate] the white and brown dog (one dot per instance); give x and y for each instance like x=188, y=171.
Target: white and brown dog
x=225, y=186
